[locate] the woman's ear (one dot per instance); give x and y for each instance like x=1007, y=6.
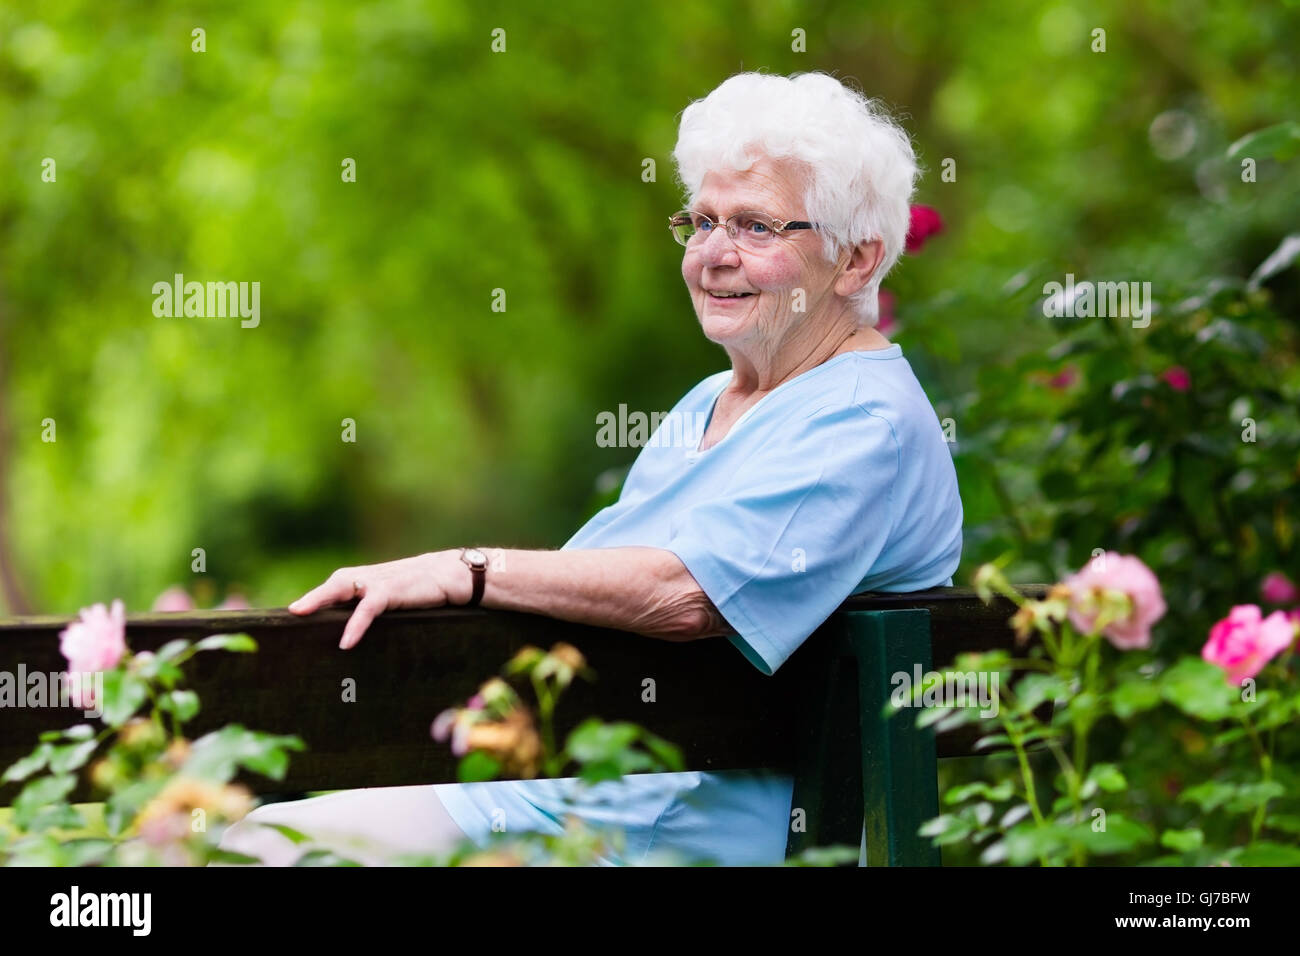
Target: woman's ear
x=862, y=265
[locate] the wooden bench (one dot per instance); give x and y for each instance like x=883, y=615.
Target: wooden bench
x=818, y=718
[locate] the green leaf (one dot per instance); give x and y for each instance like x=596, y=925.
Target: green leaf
x=124, y=693
x=1108, y=777
x=43, y=851
x=1033, y=689
x=1286, y=822
x=1184, y=841
x=1281, y=141
x=40, y=794
x=218, y=855
x=1002, y=791
x=72, y=756
x=122, y=806
x=824, y=856
x=1209, y=795
x=595, y=740
x=1014, y=815
x=183, y=703
x=1199, y=689
x=93, y=852
x=239, y=643
x=1266, y=853
x=1228, y=736
x=597, y=771
x=1233, y=797
x=477, y=765
x=156, y=668
x=1280, y=258
x=1250, y=796
x=59, y=816
x=956, y=717
x=218, y=755
x=1121, y=835
x=324, y=858
x=1134, y=696
x=669, y=755
x=945, y=829
x=981, y=812
x=1025, y=843
x=24, y=767
x=994, y=853
x=634, y=761
x=173, y=649
x=287, y=832
x=947, y=718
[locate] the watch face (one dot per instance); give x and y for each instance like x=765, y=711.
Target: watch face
x=475, y=556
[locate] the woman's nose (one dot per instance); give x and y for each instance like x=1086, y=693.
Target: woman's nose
x=719, y=248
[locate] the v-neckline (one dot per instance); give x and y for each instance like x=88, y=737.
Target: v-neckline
x=696, y=452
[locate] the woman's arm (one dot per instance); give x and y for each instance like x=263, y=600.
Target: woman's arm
x=644, y=590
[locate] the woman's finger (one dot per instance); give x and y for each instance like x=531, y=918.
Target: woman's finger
x=367, y=610
x=338, y=588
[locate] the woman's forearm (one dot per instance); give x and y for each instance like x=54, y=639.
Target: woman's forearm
x=645, y=590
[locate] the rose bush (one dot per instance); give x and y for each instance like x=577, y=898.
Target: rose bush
x=165, y=799
x=1049, y=798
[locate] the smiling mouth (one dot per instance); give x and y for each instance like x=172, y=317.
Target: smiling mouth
x=729, y=295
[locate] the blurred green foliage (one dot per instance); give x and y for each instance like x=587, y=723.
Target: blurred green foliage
x=522, y=171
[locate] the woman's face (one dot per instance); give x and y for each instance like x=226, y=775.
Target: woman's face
x=792, y=262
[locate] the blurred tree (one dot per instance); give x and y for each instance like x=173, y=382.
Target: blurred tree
x=520, y=171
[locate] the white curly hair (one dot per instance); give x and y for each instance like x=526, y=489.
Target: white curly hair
x=861, y=168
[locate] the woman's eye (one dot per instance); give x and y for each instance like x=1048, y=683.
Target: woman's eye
x=756, y=227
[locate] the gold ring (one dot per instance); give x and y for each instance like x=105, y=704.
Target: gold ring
x=356, y=588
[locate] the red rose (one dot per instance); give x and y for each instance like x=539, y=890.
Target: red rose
x=1177, y=378
x=926, y=222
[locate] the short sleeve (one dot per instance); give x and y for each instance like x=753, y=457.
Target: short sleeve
x=795, y=531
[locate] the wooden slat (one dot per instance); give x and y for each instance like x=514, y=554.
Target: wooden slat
x=717, y=707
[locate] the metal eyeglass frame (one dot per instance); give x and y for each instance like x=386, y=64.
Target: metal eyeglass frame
x=683, y=216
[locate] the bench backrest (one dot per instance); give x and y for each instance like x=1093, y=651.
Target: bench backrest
x=707, y=699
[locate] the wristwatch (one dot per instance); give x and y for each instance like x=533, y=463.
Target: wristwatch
x=478, y=563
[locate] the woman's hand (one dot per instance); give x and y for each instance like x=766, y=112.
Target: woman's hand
x=426, y=580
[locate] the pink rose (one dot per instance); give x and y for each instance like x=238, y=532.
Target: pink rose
x=455, y=724
x=1278, y=589
x=1242, y=643
x=1117, y=573
x=234, y=602
x=96, y=641
x=443, y=723
x=1177, y=378
x=173, y=599
x=925, y=222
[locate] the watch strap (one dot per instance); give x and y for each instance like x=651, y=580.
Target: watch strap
x=478, y=571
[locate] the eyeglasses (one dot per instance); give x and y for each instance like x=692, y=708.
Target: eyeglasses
x=749, y=230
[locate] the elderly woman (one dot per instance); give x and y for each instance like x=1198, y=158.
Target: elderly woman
x=822, y=471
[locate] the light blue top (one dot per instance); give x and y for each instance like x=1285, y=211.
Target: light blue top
x=837, y=481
